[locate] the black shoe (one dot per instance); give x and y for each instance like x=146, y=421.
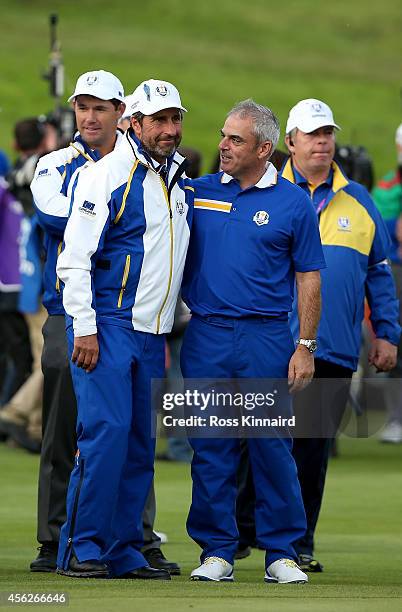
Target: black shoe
x=146, y=573
x=307, y=563
x=85, y=569
x=242, y=553
x=157, y=560
x=46, y=561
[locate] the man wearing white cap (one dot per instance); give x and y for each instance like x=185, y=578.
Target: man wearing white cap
x=98, y=104
x=356, y=246
x=122, y=265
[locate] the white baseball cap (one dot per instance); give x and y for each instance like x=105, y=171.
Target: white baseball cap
x=152, y=96
x=100, y=84
x=128, y=101
x=309, y=115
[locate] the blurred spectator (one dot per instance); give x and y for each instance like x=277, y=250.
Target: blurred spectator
x=388, y=197
x=4, y=164
x=14, y=335
x=30, y=140
x=21, y=417
x=356, y=164
x=124, y=122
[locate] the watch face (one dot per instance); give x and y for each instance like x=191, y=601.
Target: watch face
x=313, y=346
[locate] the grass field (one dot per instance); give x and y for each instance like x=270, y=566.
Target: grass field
x=359, y=542
x=346, y=52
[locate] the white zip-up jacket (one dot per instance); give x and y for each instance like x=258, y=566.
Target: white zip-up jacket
x=126, y=242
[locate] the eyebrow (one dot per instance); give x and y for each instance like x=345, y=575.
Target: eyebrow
x=231, y=135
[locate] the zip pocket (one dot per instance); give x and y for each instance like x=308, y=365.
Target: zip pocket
x=57, y=278
x=124, y=280
x=74, y=515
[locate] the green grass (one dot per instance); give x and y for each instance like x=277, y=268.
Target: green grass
x=359, y=542
x=218, y=52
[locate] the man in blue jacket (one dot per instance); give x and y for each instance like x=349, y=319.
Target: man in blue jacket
x=356, y=245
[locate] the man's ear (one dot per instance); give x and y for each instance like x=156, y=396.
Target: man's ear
x=265, y=149
x=136, y=126
x=120, y=109
x=289, y=143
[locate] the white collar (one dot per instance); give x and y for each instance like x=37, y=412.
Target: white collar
x=269, y=178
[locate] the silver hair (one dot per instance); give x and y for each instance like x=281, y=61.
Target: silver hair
x=265, y=124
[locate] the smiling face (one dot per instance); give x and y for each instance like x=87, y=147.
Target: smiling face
x=97, y=121
x=313, y=152
x=240, y=155
x=160, y=133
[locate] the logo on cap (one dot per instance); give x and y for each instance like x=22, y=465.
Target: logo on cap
x=317, y=107
x=91, y=79
x=261, y=217
x=162, y=90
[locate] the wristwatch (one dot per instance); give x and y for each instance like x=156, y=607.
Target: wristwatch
x=311, y=345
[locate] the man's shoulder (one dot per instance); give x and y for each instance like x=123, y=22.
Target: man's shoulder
x=360, y=194
x=208, y=180
x=210, y=186
x=289, y=187
x=60, y=156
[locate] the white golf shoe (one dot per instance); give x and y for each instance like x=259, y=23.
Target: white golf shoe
x=285, y=571
x=215, y=569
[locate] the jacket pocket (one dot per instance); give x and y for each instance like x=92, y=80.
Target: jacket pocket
x=124, y=280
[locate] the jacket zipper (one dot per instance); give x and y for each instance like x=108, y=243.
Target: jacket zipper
x=124, y=281
x=57, y=278
x=158, y=324
x=74, y=513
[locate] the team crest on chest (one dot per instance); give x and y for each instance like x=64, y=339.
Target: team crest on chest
x=261, y=217
x=344, y=224
x=180, y=207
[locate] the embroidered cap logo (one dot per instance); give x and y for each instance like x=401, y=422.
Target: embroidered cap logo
x=162, y=90
x=91, y=79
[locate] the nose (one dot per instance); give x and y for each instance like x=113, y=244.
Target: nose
x=172, y=128
x=91, y=115
x=224, y=143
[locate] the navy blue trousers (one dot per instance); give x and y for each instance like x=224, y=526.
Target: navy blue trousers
x=114, y=464
x=220, y=347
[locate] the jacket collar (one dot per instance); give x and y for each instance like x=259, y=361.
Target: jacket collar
x=173, y=162
x=339, y=179
x=80, y=144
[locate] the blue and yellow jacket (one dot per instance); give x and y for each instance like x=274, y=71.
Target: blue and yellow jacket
x=356, y=245
x=51, y=188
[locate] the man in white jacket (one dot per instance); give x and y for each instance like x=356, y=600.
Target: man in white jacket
x=125, y=247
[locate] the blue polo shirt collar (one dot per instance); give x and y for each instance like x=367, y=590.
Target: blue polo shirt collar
x=300, y=179
x=269, y=178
